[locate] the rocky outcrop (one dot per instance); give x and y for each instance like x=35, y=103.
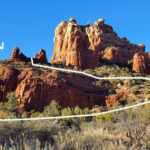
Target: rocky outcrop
x=117, y=55
x=84, y=46
x=67, y=89
x=72, y=46
x=16, y=55
x=7, y=82
x=35, y=91
x=41, y=57
x=79, y=47
x=141, y=63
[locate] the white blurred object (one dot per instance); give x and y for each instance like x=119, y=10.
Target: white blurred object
x=2, y=47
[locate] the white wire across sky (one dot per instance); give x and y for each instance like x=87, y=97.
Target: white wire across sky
x=85, y=115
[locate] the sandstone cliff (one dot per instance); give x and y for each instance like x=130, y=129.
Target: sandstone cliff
x=85, y=46
x=7, y=81
x=35, y=92
x=35, y=88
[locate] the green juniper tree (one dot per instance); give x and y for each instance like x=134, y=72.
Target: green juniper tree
x=11, y=106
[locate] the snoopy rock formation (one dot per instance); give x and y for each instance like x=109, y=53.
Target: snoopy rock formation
x=82, y=47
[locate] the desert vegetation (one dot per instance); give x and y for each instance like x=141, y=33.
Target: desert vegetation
x=127, y=130
x=117, y=131
x=124, y=130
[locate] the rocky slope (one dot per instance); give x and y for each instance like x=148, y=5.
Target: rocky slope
x=78, y=47
x=35, y=91
x=35, y=88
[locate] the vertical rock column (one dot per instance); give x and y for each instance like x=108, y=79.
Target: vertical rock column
x=140, y=63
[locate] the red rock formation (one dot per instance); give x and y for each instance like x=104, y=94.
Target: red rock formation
x=15, y=53
x=72, y=46
x=67, y=89
x=83, y=46
x=7, y=82
x=141, y=64
x=41, y=57
x=80, y=47
x=117, y=55
x=35, y=92
x=17, y=56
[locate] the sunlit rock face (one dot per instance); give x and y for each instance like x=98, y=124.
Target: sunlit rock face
x=84, y=46
x=141, y=63
x=17, y=55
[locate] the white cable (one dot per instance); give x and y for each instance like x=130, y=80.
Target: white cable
x=86, y=115
x=87, y=74
x=76, y=116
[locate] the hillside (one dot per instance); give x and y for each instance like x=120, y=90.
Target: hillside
x=31, y=92
x=95, y=49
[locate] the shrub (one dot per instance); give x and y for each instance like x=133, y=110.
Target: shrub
x=24, y=115
x=67, y=112
x=75, y=111
x=35, y=114
x=104, y=118
x=53, y=109
x=78, y=111
x=11, y=106
x=135, y=90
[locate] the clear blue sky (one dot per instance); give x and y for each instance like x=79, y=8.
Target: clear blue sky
x=30, y=24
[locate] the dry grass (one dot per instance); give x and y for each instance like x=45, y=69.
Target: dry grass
x=52, y=135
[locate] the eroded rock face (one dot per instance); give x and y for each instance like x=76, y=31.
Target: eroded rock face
x=72, y=46
x=84, y=46
x=35, y=91
x=141, y=63
x=67, y=89
x=80, y=47
x=7, y=82
x=117, y=55
x=41, y=57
